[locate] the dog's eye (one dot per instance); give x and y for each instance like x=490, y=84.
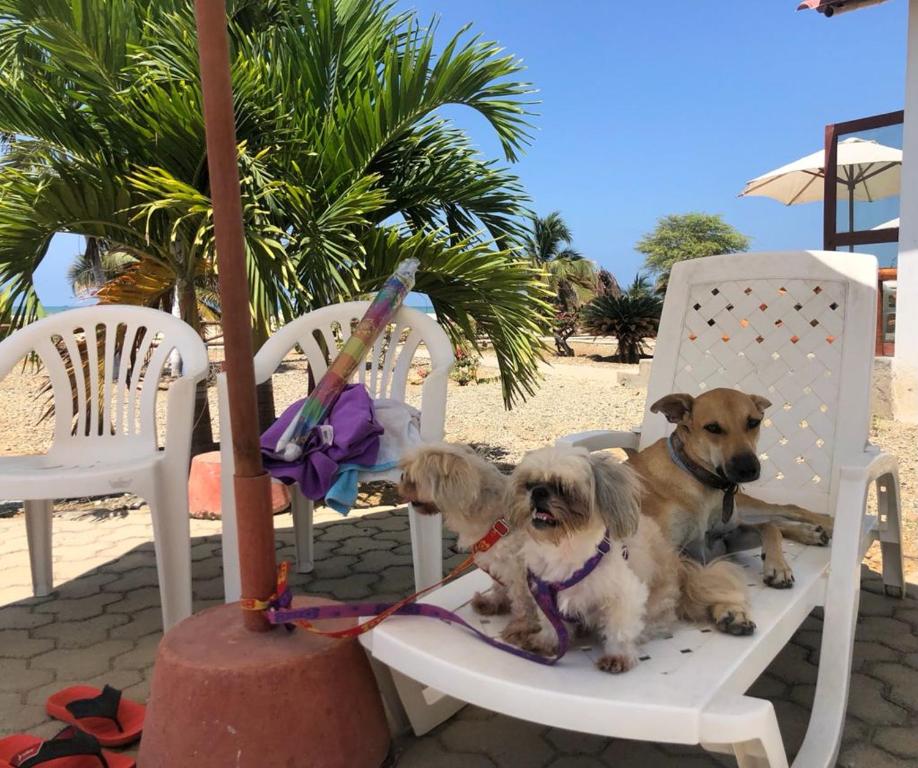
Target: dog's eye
x=714, y=428
x=752, y=423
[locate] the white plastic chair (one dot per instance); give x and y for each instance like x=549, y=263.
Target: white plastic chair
x=105, y=365
x=797, y=327
x=385, y=376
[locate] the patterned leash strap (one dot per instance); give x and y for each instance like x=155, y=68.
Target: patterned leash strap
x=282, y=599
x=279, y=610
x=302, y=616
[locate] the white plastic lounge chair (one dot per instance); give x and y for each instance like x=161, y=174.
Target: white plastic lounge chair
x=797, y=327
x=385, y=376
x=105, y=365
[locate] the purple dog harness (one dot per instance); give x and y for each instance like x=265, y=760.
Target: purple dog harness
x=545, y=594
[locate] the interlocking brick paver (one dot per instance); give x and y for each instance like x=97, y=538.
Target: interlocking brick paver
x=793, y=664
x=18, y=644
x=81, y=634
x=139, y=624
x=134, y=600
x=867, y=756
x=22, y=617
x=361, y=544
x=16, y=677
x=574, y=743
x=82, y=663
x=514, y=743
x=866, y=702
x=902, y=742
x=353, y=587
x=142, y=576
x=427, y=754
x=103, y=625
x=79, y=608
x=902, y=681
x=896, y=634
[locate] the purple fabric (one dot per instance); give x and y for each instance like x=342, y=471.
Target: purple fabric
x=356, y=441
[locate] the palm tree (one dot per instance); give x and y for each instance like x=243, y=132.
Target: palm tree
x=569, y=276
x=630, y=317
x=346, y=164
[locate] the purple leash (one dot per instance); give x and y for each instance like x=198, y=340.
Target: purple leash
x=545, y=594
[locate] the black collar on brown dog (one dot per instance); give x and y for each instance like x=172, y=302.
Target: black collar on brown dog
x=703, y=475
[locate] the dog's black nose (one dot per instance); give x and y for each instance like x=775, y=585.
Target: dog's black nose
x=539, y=494
x=743, y=468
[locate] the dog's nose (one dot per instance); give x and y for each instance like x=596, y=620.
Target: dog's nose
x=539, y=494
x=743, y=468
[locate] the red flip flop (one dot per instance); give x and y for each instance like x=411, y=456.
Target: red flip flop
x=112, y=720
x=71, y=748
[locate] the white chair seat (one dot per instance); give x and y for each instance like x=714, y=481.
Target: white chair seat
x=27, y=477
x=679, y=677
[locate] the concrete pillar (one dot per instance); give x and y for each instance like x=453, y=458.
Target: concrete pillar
x=905, y=367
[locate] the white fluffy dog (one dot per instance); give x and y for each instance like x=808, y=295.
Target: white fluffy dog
x=471, y=494
x=565, y=500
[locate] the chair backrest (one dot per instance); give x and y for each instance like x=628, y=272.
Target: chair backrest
x=798, y=328
x=105, y=364
x=319, y=334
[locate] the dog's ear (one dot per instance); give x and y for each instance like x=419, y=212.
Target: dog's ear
x=675, y=407
x=760, y=402
x=618, y=495
x=445, y=476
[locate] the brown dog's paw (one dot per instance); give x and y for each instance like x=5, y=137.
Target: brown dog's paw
x=518, y=630
x=735, y=622
x=490, y=604
x=778, y=575
x=542, y=643
x=616, y=663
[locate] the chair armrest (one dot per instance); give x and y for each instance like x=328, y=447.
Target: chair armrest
x=602, y=439
x=869, y=466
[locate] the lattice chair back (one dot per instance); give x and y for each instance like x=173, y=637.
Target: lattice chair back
x=105, y=367
x=321, y=333
x=796, y=327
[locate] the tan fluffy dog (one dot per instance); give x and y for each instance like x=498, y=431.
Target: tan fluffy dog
x=565, y=500
x=719, y=431
x=471, y=494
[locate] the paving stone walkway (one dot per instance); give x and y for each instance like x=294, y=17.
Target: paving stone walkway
x=103, y=625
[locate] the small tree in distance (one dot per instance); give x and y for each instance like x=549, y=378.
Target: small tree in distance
x=682, y=236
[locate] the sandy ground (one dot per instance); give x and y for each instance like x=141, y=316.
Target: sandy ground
x=574, y=396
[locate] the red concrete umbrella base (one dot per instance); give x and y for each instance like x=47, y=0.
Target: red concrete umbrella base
x=224, y=696
x=204, y=489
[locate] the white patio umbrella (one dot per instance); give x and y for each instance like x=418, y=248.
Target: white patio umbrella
x=867, y=170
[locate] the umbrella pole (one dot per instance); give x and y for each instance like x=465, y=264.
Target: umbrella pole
x=252, y=485
x=223, y=694
x=850, y=212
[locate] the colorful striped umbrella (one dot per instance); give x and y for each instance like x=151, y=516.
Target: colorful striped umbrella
x=381, y=310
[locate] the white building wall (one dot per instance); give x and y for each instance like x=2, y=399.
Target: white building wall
x=905, y=368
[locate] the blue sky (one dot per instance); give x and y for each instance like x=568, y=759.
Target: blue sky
x=667, y=107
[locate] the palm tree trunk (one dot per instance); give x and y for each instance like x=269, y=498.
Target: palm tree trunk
x=264, y=392
x=94, y=254
x=202, y=435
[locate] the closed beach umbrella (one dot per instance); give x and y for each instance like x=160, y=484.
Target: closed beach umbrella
x=867, y=170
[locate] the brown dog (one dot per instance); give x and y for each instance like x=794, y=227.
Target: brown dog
x=691, y=484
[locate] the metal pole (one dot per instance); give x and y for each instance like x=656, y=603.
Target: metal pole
x=850, y=211
x=252, y=485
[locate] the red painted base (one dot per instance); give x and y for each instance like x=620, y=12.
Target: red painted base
x=223, y=696
x=204, y=488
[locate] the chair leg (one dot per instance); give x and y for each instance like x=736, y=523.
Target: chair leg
x=302, y=509
x=426, y=548
x=889, y=514
x=38, y=531
x=172, y=543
